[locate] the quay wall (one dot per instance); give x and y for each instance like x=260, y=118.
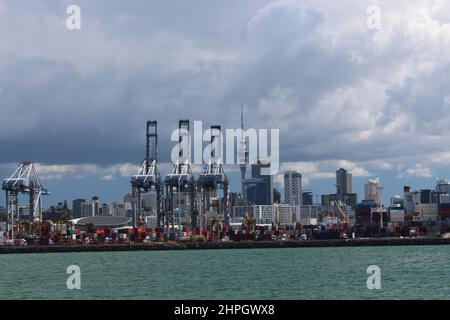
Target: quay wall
x=225, y=245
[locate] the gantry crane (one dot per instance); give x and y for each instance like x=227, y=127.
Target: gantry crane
x=181, y=181
x=213, y=177
x=24, y=180
x=148, y=178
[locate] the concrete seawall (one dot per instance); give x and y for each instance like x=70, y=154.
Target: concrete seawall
x=225, y=245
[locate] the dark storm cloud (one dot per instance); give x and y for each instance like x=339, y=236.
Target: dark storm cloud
x=334, y=88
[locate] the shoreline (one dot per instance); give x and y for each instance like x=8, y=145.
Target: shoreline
x=225, y=245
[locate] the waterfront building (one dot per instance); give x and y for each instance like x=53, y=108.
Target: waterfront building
x=306, y=214
x=276, y=214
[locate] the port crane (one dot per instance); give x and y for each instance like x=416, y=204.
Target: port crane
x=148, y=178
x=181, y=180
x=214, y=178
x=344, y=215
x=24, y=180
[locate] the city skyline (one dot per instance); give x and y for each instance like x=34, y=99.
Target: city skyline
x=122, y=188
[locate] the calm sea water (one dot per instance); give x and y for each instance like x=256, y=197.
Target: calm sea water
x=419, y=272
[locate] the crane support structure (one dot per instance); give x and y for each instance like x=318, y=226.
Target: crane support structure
x=181, y=182
x=148, y=178
x=24, y=180
x=213, y=177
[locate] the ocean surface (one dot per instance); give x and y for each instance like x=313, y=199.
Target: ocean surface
x=409, y=272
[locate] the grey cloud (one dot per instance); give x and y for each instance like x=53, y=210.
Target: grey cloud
x=335, y=89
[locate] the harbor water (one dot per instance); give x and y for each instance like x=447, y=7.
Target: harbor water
x=407, y=272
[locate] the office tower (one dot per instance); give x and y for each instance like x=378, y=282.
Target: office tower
x=293, y=188
x=76, y=208
x=259, y=189
x=276, y=196
x=325, y=200
x=343, y=183
x=307, y=198
x=372, y=191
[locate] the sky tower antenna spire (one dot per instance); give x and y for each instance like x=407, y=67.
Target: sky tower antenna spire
x=243, y=155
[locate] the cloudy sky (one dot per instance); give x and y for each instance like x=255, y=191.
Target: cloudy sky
x=343, y=94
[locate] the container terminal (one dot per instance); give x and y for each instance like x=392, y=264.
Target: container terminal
x=185, y=209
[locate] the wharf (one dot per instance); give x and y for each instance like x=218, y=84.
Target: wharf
x=225, y=245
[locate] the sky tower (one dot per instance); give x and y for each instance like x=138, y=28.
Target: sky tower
x=243, y=155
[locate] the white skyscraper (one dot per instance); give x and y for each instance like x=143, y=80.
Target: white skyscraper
x=372, y=191
x=293, y=188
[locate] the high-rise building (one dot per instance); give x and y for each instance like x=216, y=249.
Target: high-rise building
x=86, y=209
x=426, y=196
x=307, y=198
x=76, y=207
x=325, y=200
x=95, y=206
x=90, y=208
x=443, y=186
x=372, y=191
x=343, y=183
x=259, y=189
x=397, y=201
x=276, y=196
x=117, y=209
x=293, y=188
x=104, y=210
x=351, y=199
